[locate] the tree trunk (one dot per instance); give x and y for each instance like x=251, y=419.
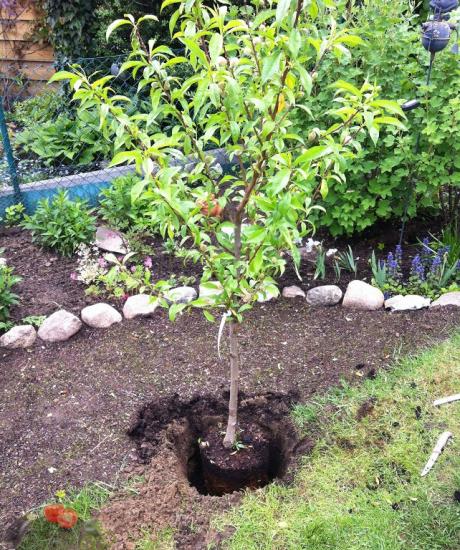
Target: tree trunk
x=232, y=423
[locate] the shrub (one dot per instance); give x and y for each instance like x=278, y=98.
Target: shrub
x=61, y=224
x=118, y=209
x=380, y=179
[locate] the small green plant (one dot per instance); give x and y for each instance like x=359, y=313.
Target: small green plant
x=348, y=262
x=379, y=271
x=34, y=320
x=14, y=214
x=7, y=297
x=337, y=270
x=61, y=224
x=320, y=269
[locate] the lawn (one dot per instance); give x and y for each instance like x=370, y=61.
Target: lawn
x=361, y=487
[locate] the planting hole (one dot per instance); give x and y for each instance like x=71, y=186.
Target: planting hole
x=265, y=443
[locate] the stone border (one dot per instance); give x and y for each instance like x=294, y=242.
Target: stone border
x=62, y=325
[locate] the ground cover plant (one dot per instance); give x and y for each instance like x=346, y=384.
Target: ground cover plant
x=361, y=486
x=250, y=80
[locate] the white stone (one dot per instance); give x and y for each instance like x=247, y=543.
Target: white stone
x=293, y=292
x=100, y=315
x=21, y=336
x=325, y=295
x=448, y=299
x=59, y=327
x=309, y=252
x=363, y=296
x=110, y=240
x=140, y=305
x=2, y=262
x=181, y=295
x=411, y=302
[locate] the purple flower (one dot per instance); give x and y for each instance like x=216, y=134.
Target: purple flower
x=102, y=262
x=148, y=262
x=133, y=269
x=417, y=268
x=392, y=263
x=436, y=263
x=74, y=276
x=398, y=253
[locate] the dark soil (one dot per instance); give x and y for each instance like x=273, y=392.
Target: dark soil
x=65, y=409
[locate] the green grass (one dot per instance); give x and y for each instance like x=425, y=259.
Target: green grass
x=361, y=487
x=43, y=535
x=163, y=540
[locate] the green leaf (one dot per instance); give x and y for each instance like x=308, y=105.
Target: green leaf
x=215, y=47
x=61, y=75
x=114, y=25
x=313, y=153
x=280, y=180
x=271, y=66
x=209, y=316
x=392, y=121
x=387, y=105
x=342, y=85
x=282, y=9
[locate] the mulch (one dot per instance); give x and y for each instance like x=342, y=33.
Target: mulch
x=65, y=409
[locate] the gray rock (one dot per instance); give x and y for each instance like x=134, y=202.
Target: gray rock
x=326, y=295
x=448, y=299
x=181, y=295
x=22, y=336
x=363, y=296
x=59, y=327
x=411, y=302
x=140, y=305
x=100, y=315
x=293, y=292
x=110, y=240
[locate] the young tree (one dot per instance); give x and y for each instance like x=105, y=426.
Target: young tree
x=251, y=77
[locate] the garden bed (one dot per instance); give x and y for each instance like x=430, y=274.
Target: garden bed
x=75, y=402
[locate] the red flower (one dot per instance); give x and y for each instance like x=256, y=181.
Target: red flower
x=52, y=511
x=67, y=518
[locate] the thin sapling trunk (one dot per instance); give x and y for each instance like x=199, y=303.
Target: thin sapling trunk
x=232, y=423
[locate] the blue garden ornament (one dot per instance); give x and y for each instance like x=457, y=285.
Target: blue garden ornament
x=435, y=35
x=443, y=6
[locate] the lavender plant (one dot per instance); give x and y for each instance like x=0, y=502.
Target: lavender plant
x=432, y=273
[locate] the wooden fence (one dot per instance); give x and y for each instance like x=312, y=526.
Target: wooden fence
x=25, y=65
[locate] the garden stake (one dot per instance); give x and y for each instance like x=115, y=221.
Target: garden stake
x=9, y=154
x=445, y=400
x=441, y=443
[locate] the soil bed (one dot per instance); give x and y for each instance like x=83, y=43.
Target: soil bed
x=65, y=409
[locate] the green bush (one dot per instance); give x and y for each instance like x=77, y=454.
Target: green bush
x=61, y=224
x=118, y=209
x=66, y=140
x=380, y=177
x=7, y=297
